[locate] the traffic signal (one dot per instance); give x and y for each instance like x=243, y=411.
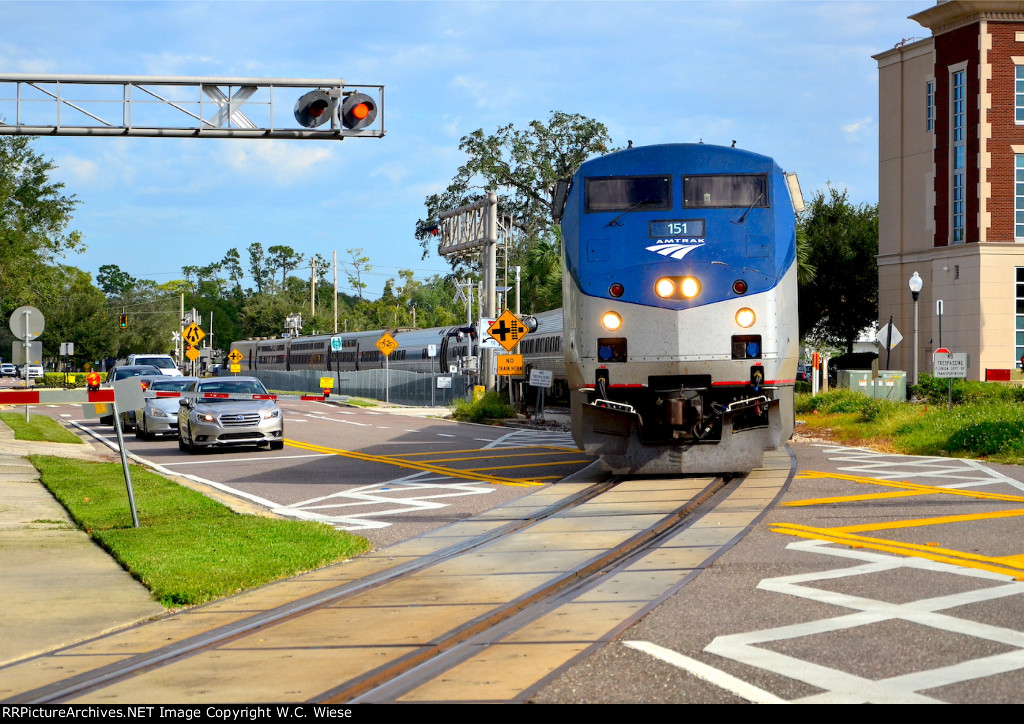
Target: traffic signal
x=314, y=109
x=122, y=321
x=358, y=111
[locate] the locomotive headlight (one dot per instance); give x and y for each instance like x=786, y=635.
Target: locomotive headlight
x=665, y=287
x=690, y=287
x=611, y=321
x=745, y=317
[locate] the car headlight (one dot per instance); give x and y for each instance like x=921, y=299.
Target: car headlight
x=157, y=412
x=204, y=417
x=270, y=414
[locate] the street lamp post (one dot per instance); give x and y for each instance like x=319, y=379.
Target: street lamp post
x=916, y=283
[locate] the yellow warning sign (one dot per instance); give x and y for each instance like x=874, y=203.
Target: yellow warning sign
x=507, y=330
x=193, y=334
x=510, y=365
x=387, y=344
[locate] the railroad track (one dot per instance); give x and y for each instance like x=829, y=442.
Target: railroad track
x=427, y=608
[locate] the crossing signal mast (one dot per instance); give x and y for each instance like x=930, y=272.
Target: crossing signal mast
x=189, y=107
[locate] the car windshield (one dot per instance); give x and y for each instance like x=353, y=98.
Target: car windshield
x=126, y=372
x=171, y=386
x=161, y=362
x=235, y=387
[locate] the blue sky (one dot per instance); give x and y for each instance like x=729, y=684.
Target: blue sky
x=793, y=80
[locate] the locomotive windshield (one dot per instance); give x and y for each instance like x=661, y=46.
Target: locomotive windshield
x=624, y=193
x=725, y=191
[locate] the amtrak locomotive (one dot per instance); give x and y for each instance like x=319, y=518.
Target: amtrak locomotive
x=680, y=308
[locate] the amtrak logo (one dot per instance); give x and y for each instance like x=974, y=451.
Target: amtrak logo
x=676, y=248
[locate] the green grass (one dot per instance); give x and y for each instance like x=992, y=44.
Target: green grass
x=39, y=428
x=988, y=425
x=188, y=549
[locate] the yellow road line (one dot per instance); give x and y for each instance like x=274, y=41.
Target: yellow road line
x=531, y=465
x=845, y=535
x=467, y=475
x=940, y=555
x=917, y=488
x=493, y=457
x=940, y=520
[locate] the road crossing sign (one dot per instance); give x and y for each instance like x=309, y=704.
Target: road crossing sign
x=508, y=330
x=193, y=335
x=387, y=344
x=235, y=357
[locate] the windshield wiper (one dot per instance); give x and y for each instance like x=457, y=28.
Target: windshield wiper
x=749, y=208
x=614, y=222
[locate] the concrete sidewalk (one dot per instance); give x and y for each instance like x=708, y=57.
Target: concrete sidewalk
x=58, y=586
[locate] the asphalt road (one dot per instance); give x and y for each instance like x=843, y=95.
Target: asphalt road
x=376, y=472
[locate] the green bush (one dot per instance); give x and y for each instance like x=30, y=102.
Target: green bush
x=492, y=406
x=936, y=390
x=56, y=379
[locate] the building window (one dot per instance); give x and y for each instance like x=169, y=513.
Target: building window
x=929, y=91
x=1019, y=317
x=1019, y=94
x=958, y=152
x=1018, y=197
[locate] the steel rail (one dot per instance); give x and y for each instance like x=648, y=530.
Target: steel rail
x=121, y=670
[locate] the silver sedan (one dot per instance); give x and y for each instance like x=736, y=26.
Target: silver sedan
x=205, y=422
x=159, y=415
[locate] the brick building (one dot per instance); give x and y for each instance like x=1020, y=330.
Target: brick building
x=951, y=184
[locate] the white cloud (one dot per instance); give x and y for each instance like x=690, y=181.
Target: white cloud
x=80, y=170
x=283, y=162
x=856, y=126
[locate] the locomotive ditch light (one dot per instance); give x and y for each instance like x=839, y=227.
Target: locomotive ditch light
x=314, y=109
x=745, y=317
x=611, y=321
x=358, y=110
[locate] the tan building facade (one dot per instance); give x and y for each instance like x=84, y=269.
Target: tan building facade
x=951, y=185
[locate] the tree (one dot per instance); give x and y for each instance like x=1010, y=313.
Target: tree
x=284, y=258
x=354, y=270
x=841, y=244
x=34, y=219
x=524, y=167
x=78, y=313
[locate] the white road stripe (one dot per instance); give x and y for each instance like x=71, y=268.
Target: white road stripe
x=710, y=674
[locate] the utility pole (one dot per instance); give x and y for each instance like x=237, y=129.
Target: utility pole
x=335, y=291
x=312, y=286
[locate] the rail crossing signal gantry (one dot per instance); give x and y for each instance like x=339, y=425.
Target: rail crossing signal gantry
x=187, y=107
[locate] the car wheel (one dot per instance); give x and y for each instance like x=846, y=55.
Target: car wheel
x=277, y=444
x=140, y=429
x=183, y=444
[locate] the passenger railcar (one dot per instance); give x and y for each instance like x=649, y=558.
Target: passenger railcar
x=541, y=349
x=680, y=294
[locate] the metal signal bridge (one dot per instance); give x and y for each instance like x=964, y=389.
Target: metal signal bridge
x=189, y=107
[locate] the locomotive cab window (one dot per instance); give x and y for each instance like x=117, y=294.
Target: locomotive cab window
x=725, y=191
x=625, y=193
